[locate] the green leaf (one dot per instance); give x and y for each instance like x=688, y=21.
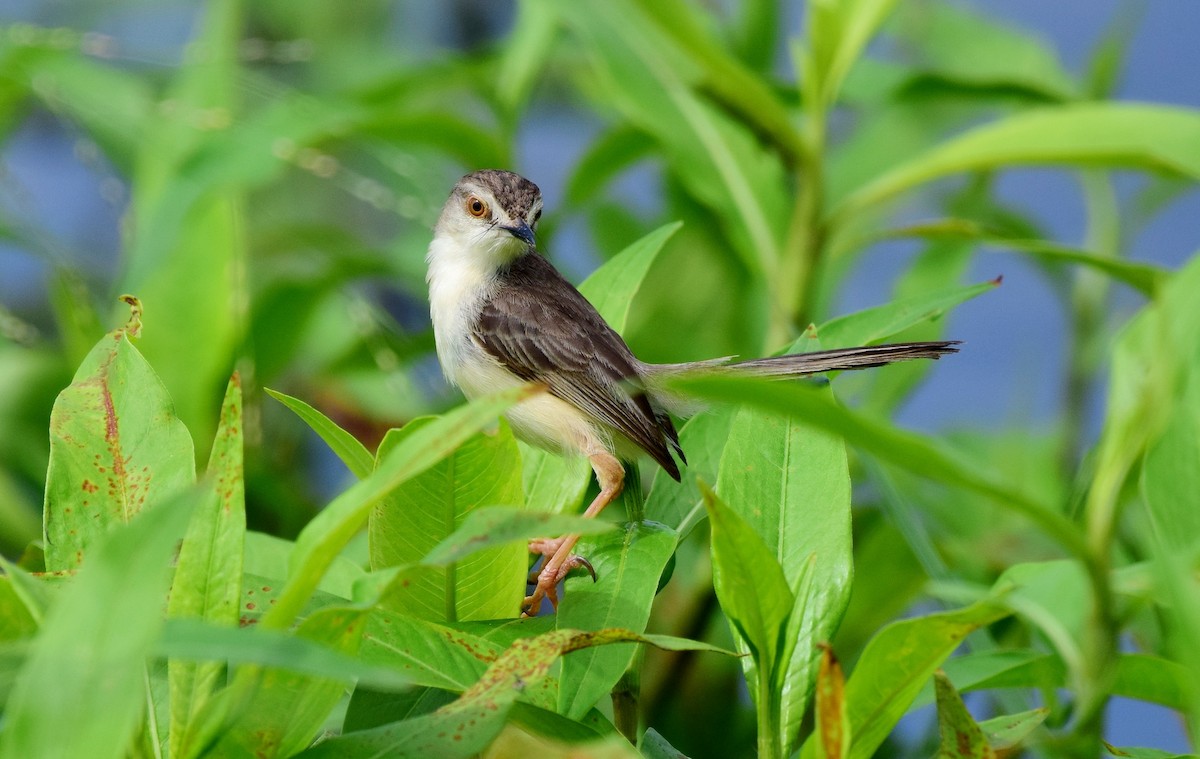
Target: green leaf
x=115, y=446
x=524, y=57
x=353, y=454
x=955, y=44
x=82, y=688
x=427, y=653
x=429, y=507
x=324, y=537
x=280, y=710
x=882, y=322
x=189, y=278
x=613, y=287
x=894, y=666
x=628, y=566
x=611, y=153
x=553, y=483
x=908, y=450
x=647, y=77
x=200, y=641
x=790, y=482
x=754, y=594
x=208, y=573
x=1146, y=278
x=489, y=526
x=1150, y=137
x=676, y=504
x=962, y=738
x=837, y=35
x=1008, y=731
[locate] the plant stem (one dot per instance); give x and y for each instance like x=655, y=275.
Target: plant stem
x=626, y=697
x=769, y=744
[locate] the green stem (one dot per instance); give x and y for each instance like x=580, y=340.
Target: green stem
x=806, y=233
x=626, y=698
x=769, y=744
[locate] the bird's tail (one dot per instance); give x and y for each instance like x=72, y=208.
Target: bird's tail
x=791, y=365
x=800, y=364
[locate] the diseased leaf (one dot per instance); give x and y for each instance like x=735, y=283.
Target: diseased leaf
x=894, y=666
x=962, y=738
x=833, y=727
x=208, y=573
x=115, y=446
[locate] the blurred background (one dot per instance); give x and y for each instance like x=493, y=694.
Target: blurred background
x=271, y=201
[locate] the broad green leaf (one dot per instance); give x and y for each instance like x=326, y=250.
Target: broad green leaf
x=908, y=450
x=208, y=573
x=790, y=482
x=654, y=746
x=628, y=566
x=427, y=653
x=353, y=454
x=1008, y=731
x=472, y=721
x=82, y=691
x=483, y=470
x=489, y=526
x=1151, y=137
x=680, y=504
x=199, y=641
x=613, y=287
x=553, y=483
x=882, y=322
x=754, y=594
x=284, y=710
x=115, y=446
x=322, y=540
x=832, y=726
x=962, y=738
x=894, y=666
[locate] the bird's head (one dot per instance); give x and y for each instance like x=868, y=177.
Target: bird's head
x=492, y=212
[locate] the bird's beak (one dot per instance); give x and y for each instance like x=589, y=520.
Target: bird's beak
x=520, y=230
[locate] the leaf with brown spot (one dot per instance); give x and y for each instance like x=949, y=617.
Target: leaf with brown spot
x=208, y=574
x=116, y=446
x=962, y=738
x=833, y=726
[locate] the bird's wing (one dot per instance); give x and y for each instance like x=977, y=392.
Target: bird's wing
x=543, y=330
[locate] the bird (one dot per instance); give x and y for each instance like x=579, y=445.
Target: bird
x=504, y=316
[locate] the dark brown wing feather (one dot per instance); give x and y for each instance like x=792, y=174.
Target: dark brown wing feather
x=540, y=327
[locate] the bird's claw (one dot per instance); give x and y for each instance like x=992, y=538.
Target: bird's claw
x=546, y=582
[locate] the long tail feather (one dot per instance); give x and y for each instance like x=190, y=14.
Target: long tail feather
x=799, y=364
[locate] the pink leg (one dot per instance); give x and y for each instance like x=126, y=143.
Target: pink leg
x=611, y=476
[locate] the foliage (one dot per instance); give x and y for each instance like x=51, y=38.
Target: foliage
x=283, y=178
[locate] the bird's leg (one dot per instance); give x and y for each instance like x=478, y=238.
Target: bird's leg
x=610, y=474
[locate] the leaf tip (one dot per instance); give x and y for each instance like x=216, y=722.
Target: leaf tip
x=133, y=327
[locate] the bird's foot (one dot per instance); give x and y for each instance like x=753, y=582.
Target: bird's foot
x=546, y=581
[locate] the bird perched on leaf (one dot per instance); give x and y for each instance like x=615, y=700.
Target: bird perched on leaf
x=503, y=315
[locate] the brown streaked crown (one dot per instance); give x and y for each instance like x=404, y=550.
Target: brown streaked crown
x=515, y=194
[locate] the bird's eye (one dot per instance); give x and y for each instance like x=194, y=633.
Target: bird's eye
x=476, y=207
x=537, y=217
